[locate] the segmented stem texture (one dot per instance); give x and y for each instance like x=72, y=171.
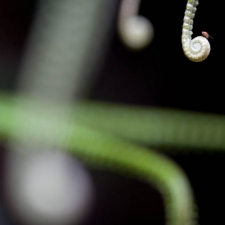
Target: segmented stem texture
x=100, y=149
x=196, y=49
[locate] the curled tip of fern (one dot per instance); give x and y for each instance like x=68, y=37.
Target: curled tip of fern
x=136, y=32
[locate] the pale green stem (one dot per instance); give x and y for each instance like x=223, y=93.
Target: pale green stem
x=107, y=152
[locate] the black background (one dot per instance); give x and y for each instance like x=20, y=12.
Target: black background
x=160, y=75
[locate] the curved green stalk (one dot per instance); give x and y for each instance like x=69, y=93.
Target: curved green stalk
x=153, y=126
x=156, y=127
x=112, y=153
x=85, y=135
x=108, y=152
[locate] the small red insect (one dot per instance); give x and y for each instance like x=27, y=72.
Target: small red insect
x=206, y=35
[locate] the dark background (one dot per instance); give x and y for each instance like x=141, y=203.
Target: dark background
x=160, y=75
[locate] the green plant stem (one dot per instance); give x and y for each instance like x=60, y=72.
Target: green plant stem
x=105, y=151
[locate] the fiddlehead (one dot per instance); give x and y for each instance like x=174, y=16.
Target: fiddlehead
x=197, y=49
x=135, y=31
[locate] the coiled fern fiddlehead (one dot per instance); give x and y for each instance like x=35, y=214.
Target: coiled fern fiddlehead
x=196, y=49
x=99, y=148
x=135, y=30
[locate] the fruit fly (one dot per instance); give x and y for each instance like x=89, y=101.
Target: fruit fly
x=206, y=35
